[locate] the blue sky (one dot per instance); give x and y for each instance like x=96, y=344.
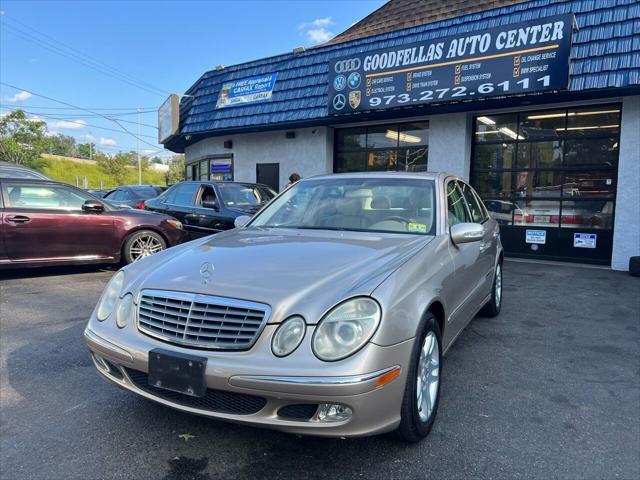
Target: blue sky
x=166, y=45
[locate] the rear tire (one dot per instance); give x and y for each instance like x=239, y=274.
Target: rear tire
x=422, y=388
x=634, y=266
x=142, y=244
x=493, y=306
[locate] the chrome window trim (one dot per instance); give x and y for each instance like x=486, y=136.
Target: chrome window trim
x=202, y=298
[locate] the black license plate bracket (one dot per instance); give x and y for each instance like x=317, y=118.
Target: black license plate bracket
x=178, y=372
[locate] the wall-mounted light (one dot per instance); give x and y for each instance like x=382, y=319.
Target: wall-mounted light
x=290, y=135
x=228, y=144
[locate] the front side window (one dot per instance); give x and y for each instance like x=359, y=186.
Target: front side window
x=394, y=205
x=44, y=196
x=456, y=209
x=238, y=195
x=477, y=214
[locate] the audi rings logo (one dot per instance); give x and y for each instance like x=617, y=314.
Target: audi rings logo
x=344, y=66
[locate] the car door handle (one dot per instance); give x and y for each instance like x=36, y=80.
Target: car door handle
x=19, y=219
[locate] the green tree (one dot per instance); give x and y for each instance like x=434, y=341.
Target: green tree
x=156, y=159
x=87, y=150
x=115, y=166
x=176, y=170
x=61, y=145
x=22, y=140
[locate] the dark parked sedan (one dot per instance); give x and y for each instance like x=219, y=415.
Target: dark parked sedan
x=132, y=195
x=207, y=207
x=13, y=170
x=52, y=223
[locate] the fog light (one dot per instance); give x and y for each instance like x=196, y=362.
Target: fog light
x=333, y=412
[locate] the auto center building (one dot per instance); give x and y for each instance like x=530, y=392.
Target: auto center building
x=536, y=103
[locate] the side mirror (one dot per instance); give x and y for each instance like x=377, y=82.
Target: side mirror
x=92, y=206
x=241, y=221
x=466, y=233
x=213, y=204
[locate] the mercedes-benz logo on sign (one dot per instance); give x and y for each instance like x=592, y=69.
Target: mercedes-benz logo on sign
x=344, y=66
x=339, y=101
x=206, y=272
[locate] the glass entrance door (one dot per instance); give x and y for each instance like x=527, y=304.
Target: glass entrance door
x=549, y=178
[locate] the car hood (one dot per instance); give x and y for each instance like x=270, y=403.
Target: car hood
x=293, y=271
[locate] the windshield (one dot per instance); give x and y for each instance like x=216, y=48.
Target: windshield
x=387, y=204
x=239, y=195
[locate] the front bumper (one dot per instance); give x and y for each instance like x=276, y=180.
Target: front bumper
x=121, y=356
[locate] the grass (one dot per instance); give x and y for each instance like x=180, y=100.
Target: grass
x=67, y=170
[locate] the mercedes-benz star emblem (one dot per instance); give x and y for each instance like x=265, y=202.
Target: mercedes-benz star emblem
x=206, y=272
x=339, y=101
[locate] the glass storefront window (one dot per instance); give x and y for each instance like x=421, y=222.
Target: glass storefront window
x=495, y=156
x=402, y=147
x=591, y=152
x=493, y=184
x=587, y=214
x=537, y=213
x=382, y=137
x=414, y=134
x=545, y=124
x=539, y=154
x=538, y=184
x=589, y=184
x=593, y=121
x=495, y=128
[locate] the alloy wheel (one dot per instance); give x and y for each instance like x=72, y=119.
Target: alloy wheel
x=428, y=376
x=143, y=246
x=498, y=294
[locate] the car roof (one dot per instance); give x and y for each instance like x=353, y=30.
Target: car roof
x=14, y=166
x=37, y=181
x=417, y=175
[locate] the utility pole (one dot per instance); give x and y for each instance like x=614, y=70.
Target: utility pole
x=138, y=148
x=90, y=146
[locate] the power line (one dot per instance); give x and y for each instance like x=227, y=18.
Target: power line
x=117, y=122
x=130, y=110
x=78, y=56
x=75, y=116
x=68, y=120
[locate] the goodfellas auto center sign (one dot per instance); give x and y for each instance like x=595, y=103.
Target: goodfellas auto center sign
x=513, y=59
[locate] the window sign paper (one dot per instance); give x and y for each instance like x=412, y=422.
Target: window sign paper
x=536, y=236
x=585, y=240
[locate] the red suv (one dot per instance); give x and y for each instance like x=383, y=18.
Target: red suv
x=44, y=222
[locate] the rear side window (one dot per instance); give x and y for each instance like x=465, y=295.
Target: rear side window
x=456, y=209
x=477, y=213
x=54, y=197
x=182, y=194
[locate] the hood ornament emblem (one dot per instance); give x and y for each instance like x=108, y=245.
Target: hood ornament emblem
x=206, y=272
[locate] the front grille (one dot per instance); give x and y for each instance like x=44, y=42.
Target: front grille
x=201, y=321
x=213, y=401
x=300, y=411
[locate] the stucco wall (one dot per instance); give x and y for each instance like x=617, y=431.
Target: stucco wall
x=626, y=236
x=309, y=153
x=450, y=144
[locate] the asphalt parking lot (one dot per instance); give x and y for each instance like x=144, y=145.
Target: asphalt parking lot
x=549, y=389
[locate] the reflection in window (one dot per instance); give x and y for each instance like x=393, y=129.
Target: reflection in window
x=496, y=155
x=493, y=184
x=401, y=147
x=546, y=124
x=589, y=184
x=538, y=183
x=497, y=127
x=537, y=213
x=540, y=154
x=597, y=152
x=591, y=121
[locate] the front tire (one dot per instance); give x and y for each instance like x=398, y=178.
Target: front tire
x=422, y=389
x=493, y=306
x=142, y=244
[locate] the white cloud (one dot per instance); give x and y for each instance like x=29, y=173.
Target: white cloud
x=20, y=97
x=67, y=124
x=319, y=35
x=107, y=141
x=316, y=31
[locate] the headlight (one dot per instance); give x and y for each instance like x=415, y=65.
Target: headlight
x=124, y=310
x=288, y=336
x=110, y=296
x=175, y=223
x=346, y=328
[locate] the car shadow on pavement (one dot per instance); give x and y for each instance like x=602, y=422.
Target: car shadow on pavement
x=20, y=273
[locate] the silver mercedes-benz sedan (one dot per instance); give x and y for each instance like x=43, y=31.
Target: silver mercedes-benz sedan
x=328, y=313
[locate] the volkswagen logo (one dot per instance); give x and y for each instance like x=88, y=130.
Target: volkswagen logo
x=206, y=272
x=354, y=80
x=339, y=101
x=339, y=83
x=344, y=66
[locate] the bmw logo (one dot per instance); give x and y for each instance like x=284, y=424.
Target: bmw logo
x=339, y=101
x=339, y=83
x=354, y=80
